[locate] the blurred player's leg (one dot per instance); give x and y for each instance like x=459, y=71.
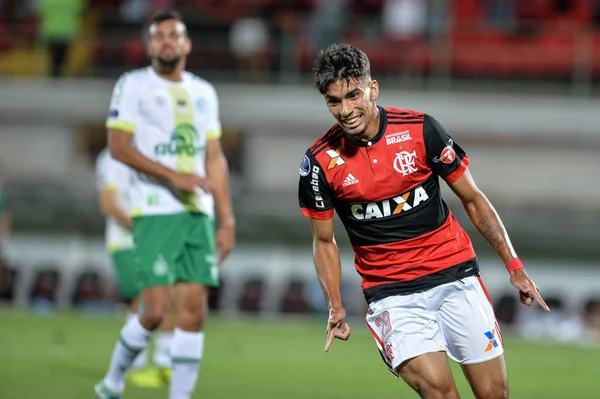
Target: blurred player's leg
x=430, y=375
x=124, y=262
x=188, y=339
x=141, y=360
x=134, y=338
x=164, y=339
x=196, y=271
x=159, y=373
x=488, y=379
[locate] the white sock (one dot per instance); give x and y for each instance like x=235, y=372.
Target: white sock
x=162, y=349
x=134, y=338
x=186, y=354
x=141, y=360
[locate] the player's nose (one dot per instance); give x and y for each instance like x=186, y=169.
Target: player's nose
x=346, y=108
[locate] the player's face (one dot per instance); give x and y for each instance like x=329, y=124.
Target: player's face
x=352, y=103
x=169, y=42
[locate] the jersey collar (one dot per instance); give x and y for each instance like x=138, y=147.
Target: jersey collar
x=159, y=78
x=378, y=136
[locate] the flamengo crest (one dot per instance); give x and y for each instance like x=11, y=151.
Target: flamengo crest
x=405, y=162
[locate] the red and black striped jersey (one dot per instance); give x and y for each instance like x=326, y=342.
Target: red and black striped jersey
x=387, y=194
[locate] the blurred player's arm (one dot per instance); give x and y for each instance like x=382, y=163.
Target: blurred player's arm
x=217, y=168
x=217, y=171
x=109, y=206
x=6, y=224
x=122, y=150
x=5, y=216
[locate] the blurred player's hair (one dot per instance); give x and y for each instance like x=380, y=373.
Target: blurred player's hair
x=340, y=62
x=162, y=16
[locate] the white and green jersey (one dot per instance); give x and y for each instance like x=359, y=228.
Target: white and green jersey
x=170, y=123
x=115, y=176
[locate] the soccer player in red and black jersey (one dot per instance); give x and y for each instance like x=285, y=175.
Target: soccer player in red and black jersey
x=379, y=168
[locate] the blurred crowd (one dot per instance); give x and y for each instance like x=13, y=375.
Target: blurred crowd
x=534, y=38
x=92, y=292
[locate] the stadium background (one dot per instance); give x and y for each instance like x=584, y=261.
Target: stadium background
x=516, y=83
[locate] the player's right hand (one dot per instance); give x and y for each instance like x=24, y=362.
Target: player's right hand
x=190, y=182
x=336, y=327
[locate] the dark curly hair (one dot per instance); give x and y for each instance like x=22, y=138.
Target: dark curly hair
x=340, y=62
x=162, y=16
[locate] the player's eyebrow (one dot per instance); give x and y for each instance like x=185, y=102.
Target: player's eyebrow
x=348, y=95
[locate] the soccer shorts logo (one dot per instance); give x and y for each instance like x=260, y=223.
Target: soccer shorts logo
x=493, y=343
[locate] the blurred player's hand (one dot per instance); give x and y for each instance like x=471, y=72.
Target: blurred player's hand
x=528, y=290
x=225, y=241
x=190, y=182
x=336, y=327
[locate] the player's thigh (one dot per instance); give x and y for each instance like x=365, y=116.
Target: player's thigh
x=430, y=375
x=488, y=379
x=404, y=327
x=467, y=319
x=125, y=265
x=159, y=241
x=198, y=260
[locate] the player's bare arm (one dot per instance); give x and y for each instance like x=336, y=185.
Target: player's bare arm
x=122, y=150
x=488, y=223
x=218, y=174
x=110, y=207
x=329, y=271
x=6, y=224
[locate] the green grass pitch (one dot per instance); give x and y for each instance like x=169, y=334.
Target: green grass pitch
x=61, y=357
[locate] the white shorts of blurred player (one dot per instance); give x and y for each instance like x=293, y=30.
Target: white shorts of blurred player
x=456, y=317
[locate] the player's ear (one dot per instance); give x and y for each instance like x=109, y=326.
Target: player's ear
x=148, y=48
x=374, y=86
x=187, y=47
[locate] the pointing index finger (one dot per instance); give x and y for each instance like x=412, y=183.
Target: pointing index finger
x=539, y=300
x=330, y=336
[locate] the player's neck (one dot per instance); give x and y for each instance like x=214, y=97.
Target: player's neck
x=172, y=75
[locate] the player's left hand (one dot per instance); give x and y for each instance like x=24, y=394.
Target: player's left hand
x=225, y=241
x=528, y=290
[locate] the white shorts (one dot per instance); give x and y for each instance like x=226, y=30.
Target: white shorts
x=457, y=318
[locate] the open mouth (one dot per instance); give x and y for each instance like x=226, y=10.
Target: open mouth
x=353, y=122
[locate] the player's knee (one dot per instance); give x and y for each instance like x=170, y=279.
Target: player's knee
x=191, y=316
x=152, y=316
x=437, y=387
x=493, y=389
